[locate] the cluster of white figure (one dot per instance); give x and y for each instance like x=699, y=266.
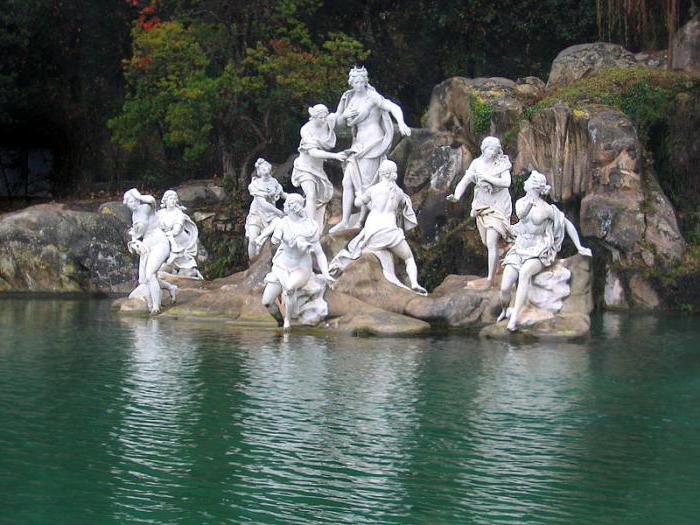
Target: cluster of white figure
x=167, y=240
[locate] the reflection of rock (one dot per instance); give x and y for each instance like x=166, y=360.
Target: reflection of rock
x=560, y=301
x=585, y=59
x=686, y=46
x=51, y=248
x=614, y=293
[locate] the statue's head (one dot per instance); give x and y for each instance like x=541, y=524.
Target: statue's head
x=319, y=111
x=358, y=75
x=132, y=199
x=537, y=182
x=262, y=167
x=294, y=205
x=170, y=200
x=387, y=170
x=491, y=147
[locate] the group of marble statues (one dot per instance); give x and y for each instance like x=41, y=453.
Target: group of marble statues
x=166, y=240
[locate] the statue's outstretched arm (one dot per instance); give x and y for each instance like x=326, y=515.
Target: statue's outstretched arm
x=573, y=235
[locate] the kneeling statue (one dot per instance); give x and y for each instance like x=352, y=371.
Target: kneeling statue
x=292, y=267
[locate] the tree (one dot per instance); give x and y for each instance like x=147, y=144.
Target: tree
x=209, y=76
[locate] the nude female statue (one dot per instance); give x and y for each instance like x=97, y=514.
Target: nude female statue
x=369, y=115
x=292, y=267
x=182, y=233
x=149, y=241
x=381, y=234
x=317, y=139
x=491, y=206
x=539, y=236
x=266, y=191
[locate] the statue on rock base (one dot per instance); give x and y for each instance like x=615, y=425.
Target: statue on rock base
x=491, y=206
x=369, y=115
x=317, y=139
x=183, y=235
x=381, y=234
x=539, y=236
x=150, y=242
x=266, y=191
x=292, y=275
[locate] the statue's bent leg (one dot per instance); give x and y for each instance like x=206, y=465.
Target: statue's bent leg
x=403, y=252
x=270, y=294
x=510, y=277
x=309, y=189
x=528, y=270
x=252, y=233
x=348, y=197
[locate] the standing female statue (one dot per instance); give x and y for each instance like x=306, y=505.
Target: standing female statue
x=317, y=139
x=369, y=115
x=381, y=234
x=292, y=267
x=149, y=241
x=183, y=235
x=539, y=235
x=491, y=206
x=266, y=191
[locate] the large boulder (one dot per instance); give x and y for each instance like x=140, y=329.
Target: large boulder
x=686, y=46
x=51, y=248
x=201, y=193
x=471, y=108
x=594, y=155
x=583, y=60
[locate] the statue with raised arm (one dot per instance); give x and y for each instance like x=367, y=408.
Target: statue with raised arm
x=183, y=235
x=381, y=235
x=317, y=139
x=292, y=273
x=151, y=244
x=266, y=191
x=539, y=235
x=369, y=115
x=491, y=205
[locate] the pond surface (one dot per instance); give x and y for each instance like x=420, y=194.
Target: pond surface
x=108, y=420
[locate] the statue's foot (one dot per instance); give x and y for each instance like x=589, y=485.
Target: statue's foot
x=480, y=284
x=419, y=289
x=512, y=325
x=155, y=310
x=341, y=226
x=287, y=325
x=501, y=316
x=173, y=293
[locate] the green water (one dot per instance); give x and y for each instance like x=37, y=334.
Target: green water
x=105, y=420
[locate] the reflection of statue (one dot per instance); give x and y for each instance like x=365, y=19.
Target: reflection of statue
x=317, y=138
x=369, y=115
x=292, y=268
x=381, y=235
x=266, y=191
x=183, y=235
x=491, y=206
x=151, y=244
x=539, y=236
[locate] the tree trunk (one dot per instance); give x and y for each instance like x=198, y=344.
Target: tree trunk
x=228, y=167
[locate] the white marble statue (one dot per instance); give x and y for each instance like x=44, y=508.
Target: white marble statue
x=491, y=205
x=183, y=235
x=539, y=235
x=266, y=191
x=150, y=242
x=369, y=115
x=381, y=234
x=317, y=139
x=292, y=275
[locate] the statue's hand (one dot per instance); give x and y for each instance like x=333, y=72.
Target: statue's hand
x=404, y=129
x=585, y=251
x=451, y=197
x=342, y=156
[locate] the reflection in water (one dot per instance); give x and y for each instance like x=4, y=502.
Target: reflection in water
x=156, y=421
